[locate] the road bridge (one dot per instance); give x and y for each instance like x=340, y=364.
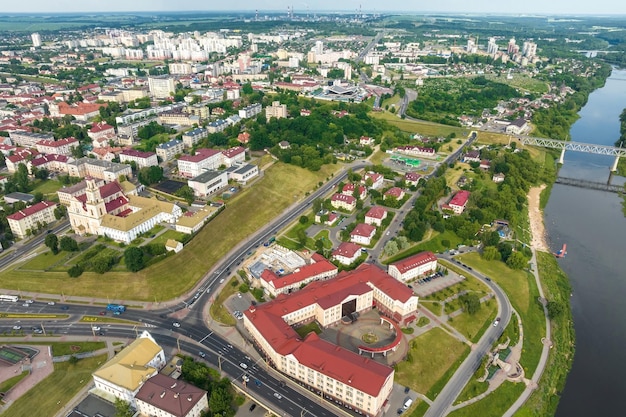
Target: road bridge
x=576, y=147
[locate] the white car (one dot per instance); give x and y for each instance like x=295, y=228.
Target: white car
x=25, y=305
x=243, y=365
x=238, y=295
x=495, y=323
x=246, y=378
x=222, y=281
x=51, y=303
x=277, y=395
x=96, y=328
x=17, y=327
x=176, y=324
x=29, y=301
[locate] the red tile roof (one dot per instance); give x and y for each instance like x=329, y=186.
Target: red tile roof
x=115, y=204
x=349, y=188
x=376, y=212
x=44, y=159
x=365, y=230
x=29, y=211
x=57, y=143
x=394, y=192
x=201, y=155
x=232, y=152
x=137, y=154
x=412, y=176
x=99, y=127
x=347, y=249
x=414, y=261
x=343, y=197
x=460, y=198
x=173, y=396
x=305, y=272
x=110, y=189
x=21, y=155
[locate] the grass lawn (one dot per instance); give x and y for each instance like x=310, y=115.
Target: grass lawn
x=432, y=242
x=46, y=260
x=522, y=82
x=281, y=186
x=452, y=175
x=325, y=236
x=495, y=404
x=52, y=394
x=433, y=354
x=378, y=157
x=218, y=311
x=473, y=326
x=48, y=187
x=424, y=128
x=105, y=319
x=11, y=382
x=308, y=328
x=522, y=291
x=170, y=234
x=68, y=348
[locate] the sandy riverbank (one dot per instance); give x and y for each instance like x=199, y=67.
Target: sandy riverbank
x=535, y=216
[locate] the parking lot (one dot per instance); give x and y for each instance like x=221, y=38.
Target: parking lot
x=436, y=282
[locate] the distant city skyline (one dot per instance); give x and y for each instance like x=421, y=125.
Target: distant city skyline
x=529, y=7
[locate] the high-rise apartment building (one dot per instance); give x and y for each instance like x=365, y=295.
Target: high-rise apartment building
x=36, y=37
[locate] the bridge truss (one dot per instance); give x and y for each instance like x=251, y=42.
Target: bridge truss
x=574, y=146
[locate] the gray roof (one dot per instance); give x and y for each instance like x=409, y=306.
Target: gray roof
x=20, y=197
x=257, y=269
x=207, y=176
x=195, y=132
x=169, y=144
x=244, y=168
x=109, y=166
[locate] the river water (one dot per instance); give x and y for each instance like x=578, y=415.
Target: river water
x=592, y=225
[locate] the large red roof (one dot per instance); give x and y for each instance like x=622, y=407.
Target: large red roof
x=29, y=211
x=44, y=159
x=347, y=249
x=414, y=261
x=300, y=275
x=232, y=152
x=137, y=154
x=99, y=127
x=343, y=197
x=201, y=155
x=57, y=143
x=460, y=198
x=376, y=212
x=175, y=397
x=365, y=230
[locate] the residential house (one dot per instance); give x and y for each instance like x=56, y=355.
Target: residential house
x=192, y=221
x=471, y=156
x=331, y=218
x=395, y=192
x=172, y=245
x=276, y=110
x=363, y=233
x=283, y=144
x=418, y=151
x=366, y=141
x=347, y=253
x=458, y=202
x=51, y=162
x=58, y=147
x=243, y=138
x=101, y=130
x=412, y=178
x=498, y=178
x=21, y=156
x=164, y=396
x=168, y=150
x=346, y=202
x=377, y=180
x=349, y=188
x=423, y=263
x=485, y=165
x=517, y=127
x=376, y=215
x=141, y=159
x=28, y=220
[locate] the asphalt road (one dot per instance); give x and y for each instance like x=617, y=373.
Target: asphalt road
x=21, y=250
x=461, y=377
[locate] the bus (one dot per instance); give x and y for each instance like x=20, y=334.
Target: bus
x=13, y=298
x=116, y=308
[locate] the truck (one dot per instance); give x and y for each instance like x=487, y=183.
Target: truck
x=116, y=308
x=270, y=241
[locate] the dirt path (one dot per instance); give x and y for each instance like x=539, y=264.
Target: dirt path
x=535, y=216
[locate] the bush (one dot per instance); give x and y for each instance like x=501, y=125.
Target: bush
x=75, y=271
x=243, y=288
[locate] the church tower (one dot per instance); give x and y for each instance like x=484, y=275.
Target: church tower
x=95, y=204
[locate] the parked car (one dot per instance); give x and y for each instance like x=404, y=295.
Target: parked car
x=51, y=303
x=202, y=354
x=96, y=328
x=252, y=407
x=176, y=324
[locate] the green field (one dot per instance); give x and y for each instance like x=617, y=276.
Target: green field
x=170, y=234
x=431, y=243
x=52, y=394
x=432, y=355
x=48, y=187
x=281, y=186
x=218, y=311
x=473, y=326
x=423, y=128
x=69, y=348
x=495, y=404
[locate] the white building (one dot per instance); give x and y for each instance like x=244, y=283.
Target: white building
x=169, y=149
x=161, y=87
x=141, y=159
x=191, y=166
x=208, y=183
x=28, y=219
x=242, y=173
x=413, y=266
x=36, y=38
x=123, y=375
x=194, y=136
x=276, y=110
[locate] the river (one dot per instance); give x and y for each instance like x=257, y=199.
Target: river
x=592, y=225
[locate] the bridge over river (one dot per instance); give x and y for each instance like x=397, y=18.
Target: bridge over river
x=576, y=147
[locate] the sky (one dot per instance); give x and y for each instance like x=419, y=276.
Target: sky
x=450, y=6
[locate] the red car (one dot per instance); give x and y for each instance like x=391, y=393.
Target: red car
x=103, y=313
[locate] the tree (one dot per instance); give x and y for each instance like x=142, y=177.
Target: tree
x=123, y=408
x=134, y=259
x=491, y=238
x=555, y=309
x=517, y=260
x=59, y=212
x=186, y=192
x=490, y=253
x=67, y=244
x=150, y=175
x=303, y=219
x=470, y=302
x=52, y=242
x=319, y=245
x=75, y=271
x=220, y=401
x=391, y=248
x=317, y=205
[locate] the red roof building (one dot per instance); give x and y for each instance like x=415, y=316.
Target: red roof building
x=458, y=202
x=395, y=192
x=376, y=215
x=234, y=155
x=165, y=396
x=59, y=147
x=26, y=220
x=412, y=178
x=348, y=189
x=363, y=233
x=414, y=266
x=327, y=366
x=344, y=201
x=347, y=253
x=316, y=271
x=377, y=180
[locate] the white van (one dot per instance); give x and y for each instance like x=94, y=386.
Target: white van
x=407, y=404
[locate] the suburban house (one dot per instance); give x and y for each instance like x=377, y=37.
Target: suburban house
x=342, y=375
x=412, y=178
x=243, y=138
x=517, y=127
x=395, y=192
x=172, y=245
x=332, y=217
x=363, y=234
x=458, y=202
x=28, y=219
x=319, y=269
x=191, y=166
x=485, y=165
x=165, y=396
x=343, y=201
x=347, y=253
x=283, y=144
x=142, y=159
x=498, y=178
x=377, y=180
x=414, y=266
x=471, y=156
x=366, y=141
x=208, y=182
x=168, y=150
x=376, y=215
x=349, y=188
x=58, y=147
x=123, y=375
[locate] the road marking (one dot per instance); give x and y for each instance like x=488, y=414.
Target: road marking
x=201, y=340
